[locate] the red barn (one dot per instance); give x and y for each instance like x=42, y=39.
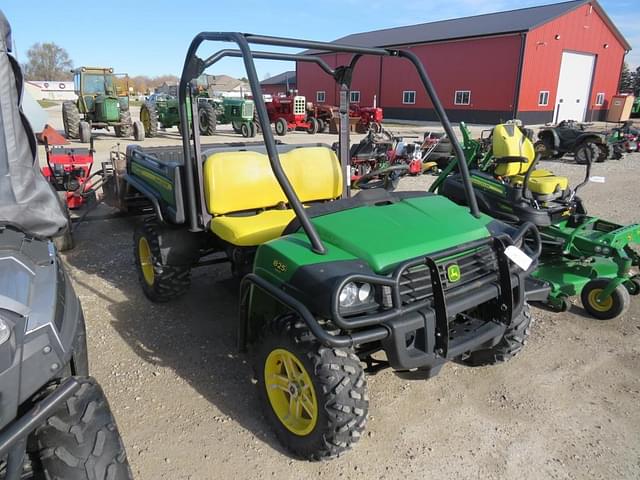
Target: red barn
x=280, y=84
x=539, y=64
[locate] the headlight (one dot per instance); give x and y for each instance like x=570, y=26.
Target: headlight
x=355, y=295
x=5, y=331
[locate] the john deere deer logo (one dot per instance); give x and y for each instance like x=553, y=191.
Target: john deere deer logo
x=453, y=272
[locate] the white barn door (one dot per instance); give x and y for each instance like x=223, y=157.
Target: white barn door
x=574, y=85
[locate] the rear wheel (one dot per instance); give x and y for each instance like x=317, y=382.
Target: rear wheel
x=207, y=117
x=314, y=397
x=586, y=152
x=80, y=440
x=615, y=305
x=606, y=152
x=160, y=281
x=124, y=129
x=313, y=126
x=512, y=342
x=281, y=127
x=85, y=132
x=149, y=119
x=71, y=120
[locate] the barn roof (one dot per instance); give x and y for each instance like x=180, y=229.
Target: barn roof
x=282, y=79
x=512, y=21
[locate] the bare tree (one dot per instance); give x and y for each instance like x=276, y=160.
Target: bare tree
x=48, y=61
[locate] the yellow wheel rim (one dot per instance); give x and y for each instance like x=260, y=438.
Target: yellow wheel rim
x=290, y=392
x=145, y=119
x=603, y=306
x=146, y=261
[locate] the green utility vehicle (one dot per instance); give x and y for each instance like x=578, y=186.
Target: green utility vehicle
x=581, y=255
x=331, y=285
x=101, y=103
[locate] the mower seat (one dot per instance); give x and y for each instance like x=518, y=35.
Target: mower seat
x=246, y=201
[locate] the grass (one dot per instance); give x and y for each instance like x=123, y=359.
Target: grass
x=47, y=103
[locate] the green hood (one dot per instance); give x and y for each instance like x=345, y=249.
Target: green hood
x=388, y=234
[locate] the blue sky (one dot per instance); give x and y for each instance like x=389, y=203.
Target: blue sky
x=151, y=37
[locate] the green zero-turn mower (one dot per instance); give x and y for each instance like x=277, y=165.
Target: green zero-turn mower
x=581, y=255
x=331, y=285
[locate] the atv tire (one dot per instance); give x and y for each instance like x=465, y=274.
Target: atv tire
x=80, y=441
x=333, y=378
x=160, y=281
x=149, y=119
x=124, y=129
x=606, y=152
x=512, y=342
x=587, y=148
x=71, y=120
x=207, y=119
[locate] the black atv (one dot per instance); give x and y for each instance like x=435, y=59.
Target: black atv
x=55, y=422
x=573, y=137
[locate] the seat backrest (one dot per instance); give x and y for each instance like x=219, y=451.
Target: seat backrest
x=239, y=181
x=512, y=150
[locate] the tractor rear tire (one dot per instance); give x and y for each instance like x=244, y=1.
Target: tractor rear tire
x=585, y=150
x=513, y=341
x=138, y=131
x=85, y=132
x=281, y=127
x=207, y=118
x=149, y=119
x=80, y=440
x=124, y=129
x=160, y=281
x=313, y=126
x=614, y=306
x=245, y=130
x=71, y=120
x=236, y=126
x=329, y=382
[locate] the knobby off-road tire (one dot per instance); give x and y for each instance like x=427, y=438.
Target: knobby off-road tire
x=80, y=441
x=338, y=383
x=124, y=129
x=71, y=120
x=208, y=119
x=149, y=119
x=586, y=149
x=510, y=345
x=160, y=282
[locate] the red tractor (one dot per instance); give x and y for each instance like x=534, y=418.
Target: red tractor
x=290, y=113
x=370, y=118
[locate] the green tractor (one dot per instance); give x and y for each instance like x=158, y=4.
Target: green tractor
x=161, y=110
x=331, y=286
x=239, y=112
x=101, y=103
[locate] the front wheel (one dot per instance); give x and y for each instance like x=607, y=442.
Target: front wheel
x=160, y=281
x=245, y=130
x=281, y=127
x=588, y=152
x=314, y=397
x=513, y=341
x=611, y=307
x=80, y=440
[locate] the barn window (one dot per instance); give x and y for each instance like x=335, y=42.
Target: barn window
x=320, y=96
x=409, y=97
x=354, y=96
x=600, y=99
x=543, y=98
x=463, y=97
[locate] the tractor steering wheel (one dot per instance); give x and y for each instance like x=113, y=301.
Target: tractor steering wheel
x=386, y=178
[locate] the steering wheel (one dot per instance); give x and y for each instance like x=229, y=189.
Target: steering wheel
x=386, y=178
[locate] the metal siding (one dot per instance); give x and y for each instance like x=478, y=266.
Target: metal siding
x=582, y=30
x=486, y=66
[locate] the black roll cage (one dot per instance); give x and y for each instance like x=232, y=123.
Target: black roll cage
x=195, y=66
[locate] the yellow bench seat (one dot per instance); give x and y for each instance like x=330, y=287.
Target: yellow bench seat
x=246, y=231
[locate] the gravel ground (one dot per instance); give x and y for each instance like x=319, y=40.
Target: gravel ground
x=566, y=408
